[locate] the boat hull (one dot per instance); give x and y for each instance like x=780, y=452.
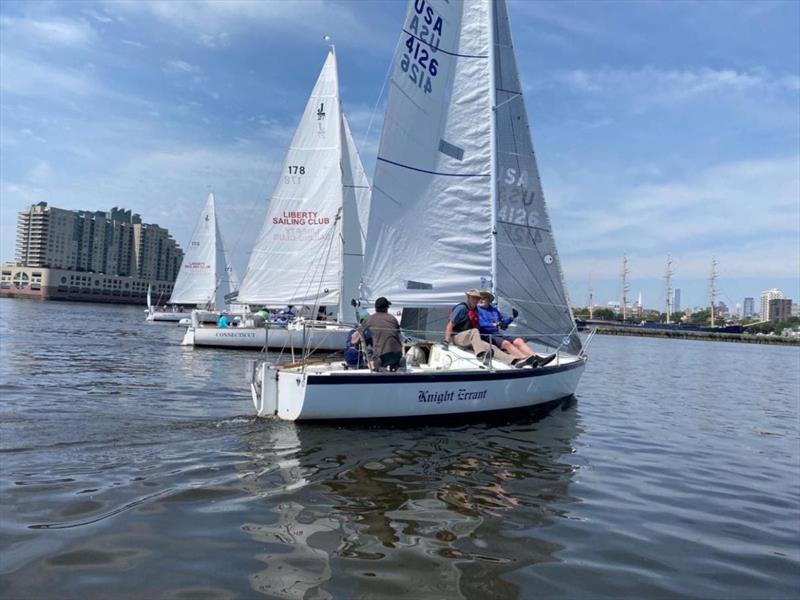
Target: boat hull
x=326, y=339
x=292, y=395
x=176, y=317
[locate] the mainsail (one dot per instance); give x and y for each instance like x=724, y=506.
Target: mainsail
x=456, y=201
x=206, y=276
x=310, y=245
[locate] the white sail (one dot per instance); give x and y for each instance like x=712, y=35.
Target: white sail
x=196, y=282
x=429, y=236
x=457, y=202
x=295, y=259
x=355, y=212
x=227, y=281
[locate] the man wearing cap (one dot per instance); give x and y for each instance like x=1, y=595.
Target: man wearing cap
x=491, y=322
x=386, y=341
x=462, y=330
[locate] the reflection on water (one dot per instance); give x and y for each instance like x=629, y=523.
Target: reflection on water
x=129, y=463
x=375, y=503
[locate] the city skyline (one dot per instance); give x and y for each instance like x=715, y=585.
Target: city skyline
x=660, y=128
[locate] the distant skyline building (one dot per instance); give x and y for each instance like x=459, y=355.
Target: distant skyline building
x=677, y=300
x=766, y=296
x=780, y=310
x=89, y=255
x=749, y=307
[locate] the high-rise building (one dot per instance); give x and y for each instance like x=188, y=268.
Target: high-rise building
x=676, y=303
x=749, y=307
x=57, y=248
x=766, y=296
x=780, y=309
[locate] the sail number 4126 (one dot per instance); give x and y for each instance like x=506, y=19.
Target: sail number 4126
x=423, y=68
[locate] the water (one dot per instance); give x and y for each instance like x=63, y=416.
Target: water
x=131, y=468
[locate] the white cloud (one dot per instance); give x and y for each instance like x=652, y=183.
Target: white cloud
x=745, y=211
x=669, y=86
x=49, y=32
x=181, y=66
x=215, y=23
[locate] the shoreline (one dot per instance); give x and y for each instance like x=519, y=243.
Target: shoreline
x=745, y=338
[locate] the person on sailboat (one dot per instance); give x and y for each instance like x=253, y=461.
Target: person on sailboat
x=354, y=356
x=261, y=317
x=387, y=343
x=462, y=330
x=223, y=321
x=491, y=321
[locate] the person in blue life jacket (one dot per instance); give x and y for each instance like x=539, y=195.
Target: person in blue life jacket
x=223, y=321
x=287, y=314
x=462, y=330
x=354, y=356
x=490, y=323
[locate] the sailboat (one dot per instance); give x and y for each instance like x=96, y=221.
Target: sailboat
x=456, y=204
x=310, y=250
x=207, y=280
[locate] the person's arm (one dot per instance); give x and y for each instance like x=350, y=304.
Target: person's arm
x=448, y=332
x=356, y=338
x=504, y=321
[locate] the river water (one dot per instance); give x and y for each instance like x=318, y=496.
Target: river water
x=131, y=467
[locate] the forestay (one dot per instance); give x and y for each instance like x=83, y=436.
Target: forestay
x=205, y=276
x=293, y=261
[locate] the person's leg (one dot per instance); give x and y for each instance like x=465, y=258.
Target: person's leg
x=521, y=346
x=512, y=349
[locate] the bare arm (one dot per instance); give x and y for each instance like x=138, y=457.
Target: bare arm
x=448, y=331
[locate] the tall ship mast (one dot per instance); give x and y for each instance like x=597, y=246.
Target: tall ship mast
x=712, y=289
x=625, y=286
x=670, y=291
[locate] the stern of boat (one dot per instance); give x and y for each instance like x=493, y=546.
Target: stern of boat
x=264, y=387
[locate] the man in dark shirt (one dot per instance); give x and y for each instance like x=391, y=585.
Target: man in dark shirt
x=386, y=341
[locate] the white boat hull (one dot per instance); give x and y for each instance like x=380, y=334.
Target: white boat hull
x=329, y=338
x=322, y=393
x=205, y=316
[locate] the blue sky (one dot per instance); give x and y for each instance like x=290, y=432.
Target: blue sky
x=660, y=127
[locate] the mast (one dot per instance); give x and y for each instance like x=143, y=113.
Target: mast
x=492, y=138
x=668, y=277
x=712, y=291
x=625, y=286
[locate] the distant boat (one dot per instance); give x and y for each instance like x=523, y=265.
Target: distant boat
x=311, y=247
x=456, y=204
x=206, y=281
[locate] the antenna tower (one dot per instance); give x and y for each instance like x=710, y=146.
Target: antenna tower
x=712, y=291
x=625, y=286
x=670, y=291
x=591, y=298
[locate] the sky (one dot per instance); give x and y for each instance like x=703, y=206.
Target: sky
x=660, y=128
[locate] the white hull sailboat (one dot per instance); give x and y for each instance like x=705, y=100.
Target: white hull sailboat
x=317, y=336
x=450, y=383
x=456, y=204
x=310, y=250
x=206, y=280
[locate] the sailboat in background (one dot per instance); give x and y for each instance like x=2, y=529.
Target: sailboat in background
x=207, y=280
x=456, y=204
x=310, y=250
